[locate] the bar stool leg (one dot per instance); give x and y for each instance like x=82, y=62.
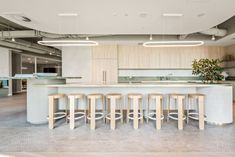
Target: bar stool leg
x=135, y=107
x=189, y=103
x=128, y=110
x=103, y=110
x=180, y=112
x=158, y=113
x=201, y=112
x=51, y=112
x=85, y=110
x=141, y=111
x=113, y=104
x=72, y=104
x=147, y=118
x=121, y=109
x=168, y=106
x=92, y=108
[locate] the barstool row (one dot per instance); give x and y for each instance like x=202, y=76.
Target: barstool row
x=110, y=109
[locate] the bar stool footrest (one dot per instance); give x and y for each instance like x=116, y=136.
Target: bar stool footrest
x=151, y=114
x=117, y=116
x=174, y=116
x=82, y=115
x=131, y=114
x=58, y=115
x=98, y=115
x=195, y=116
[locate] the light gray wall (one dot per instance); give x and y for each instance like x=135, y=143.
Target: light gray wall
x=4, y=62
x=76, y=62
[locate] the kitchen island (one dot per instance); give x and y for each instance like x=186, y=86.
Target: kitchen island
x=218, y=97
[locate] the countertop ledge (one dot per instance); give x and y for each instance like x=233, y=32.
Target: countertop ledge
x=135, y=85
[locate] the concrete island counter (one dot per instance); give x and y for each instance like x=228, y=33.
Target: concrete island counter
x=218, y=97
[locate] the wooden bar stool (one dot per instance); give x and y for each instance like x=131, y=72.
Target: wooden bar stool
x=196, y=110
x=93, y=113
x=75, y=115
x=137, y=107
x=158, y=107
x=112, y=106
x=179, y=101
x=51, y=109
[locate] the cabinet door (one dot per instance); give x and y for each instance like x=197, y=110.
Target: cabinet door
x=104, y=70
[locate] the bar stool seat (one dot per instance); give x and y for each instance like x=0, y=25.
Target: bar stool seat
x=78, y=114
x=137, y=113
x=94, y=115
x=179, y=114
x=51, y=109
x=112, y=108
x=198, y=108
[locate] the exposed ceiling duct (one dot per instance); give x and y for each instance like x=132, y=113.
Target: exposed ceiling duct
x=30, y=47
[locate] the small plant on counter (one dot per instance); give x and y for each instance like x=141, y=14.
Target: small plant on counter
x=208, y=70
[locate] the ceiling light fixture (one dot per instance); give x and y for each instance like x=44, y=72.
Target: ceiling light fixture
x=86, y=42
x=213, y=38
x=13, y=39
x=172, y=43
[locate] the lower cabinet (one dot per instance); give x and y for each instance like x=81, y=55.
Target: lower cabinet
x=104, y=71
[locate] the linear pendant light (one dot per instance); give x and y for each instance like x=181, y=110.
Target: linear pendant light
x=172, y=43
x=68, y=43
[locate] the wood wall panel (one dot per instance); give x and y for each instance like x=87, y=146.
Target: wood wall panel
x=138, y=57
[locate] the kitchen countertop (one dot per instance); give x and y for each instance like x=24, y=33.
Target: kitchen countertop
x=160, y=84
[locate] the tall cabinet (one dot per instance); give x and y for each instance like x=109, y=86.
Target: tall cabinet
x=104, y=64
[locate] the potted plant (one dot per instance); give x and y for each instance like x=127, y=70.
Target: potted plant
x=208, y=70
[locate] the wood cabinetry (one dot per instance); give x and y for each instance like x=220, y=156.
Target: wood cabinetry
x=104, y=64
x=138, y=57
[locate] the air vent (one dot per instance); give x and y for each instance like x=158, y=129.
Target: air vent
x=18, y=16
x=25, y=19
x=21, y=18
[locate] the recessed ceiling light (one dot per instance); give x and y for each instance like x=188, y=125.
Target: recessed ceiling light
x=68, y=14
x=172, y=14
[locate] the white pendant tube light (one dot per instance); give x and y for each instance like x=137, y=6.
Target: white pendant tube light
x=172, y=43
x=86, y=42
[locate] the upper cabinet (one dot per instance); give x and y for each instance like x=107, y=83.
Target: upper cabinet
x=138, y=57
x=104, y=52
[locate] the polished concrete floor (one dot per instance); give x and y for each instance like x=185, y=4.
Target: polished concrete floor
x=18, y=138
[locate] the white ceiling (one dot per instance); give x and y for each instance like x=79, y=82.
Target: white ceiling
x=120, y=16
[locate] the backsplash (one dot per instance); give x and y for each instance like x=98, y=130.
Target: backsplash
x=138, y=79
x=156, y=72
x=155, y=75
